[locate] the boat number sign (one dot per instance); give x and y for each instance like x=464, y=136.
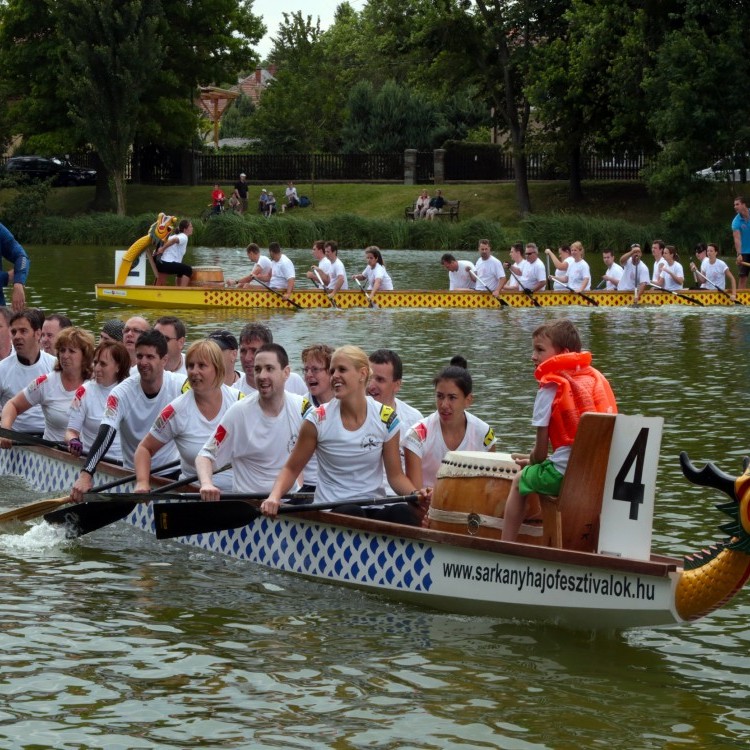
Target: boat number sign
x=629, y=487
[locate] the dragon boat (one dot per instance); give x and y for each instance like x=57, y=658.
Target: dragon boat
x=591, y=568
x=219, y=296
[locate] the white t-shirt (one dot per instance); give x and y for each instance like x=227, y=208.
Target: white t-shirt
x=715, y=272
x=533, y=273
x=489, y=272
x=578, y=270
x=295, y=384
x=669, y=283
x=633, y=276
x=175, y=253
x=182, y=421
x=281, y=271
x=14, y=377
x=132, y=413
x=378, y=272
x=325, y=266
x=425, y=439
x=86, y=411
x=337, y=269
x=350, y=462
x=461, y=278
x=48, y=392
x=562, y=273
x=615, y=271
x=657, y=269
x=257, y=445
x=541, y=417
x=407, y=416
x=264, y=263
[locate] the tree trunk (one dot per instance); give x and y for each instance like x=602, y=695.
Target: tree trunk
x=118, y=180
x=575, y=189
x=103, y=198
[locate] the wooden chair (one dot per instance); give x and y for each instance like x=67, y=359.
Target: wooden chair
x=571, y=520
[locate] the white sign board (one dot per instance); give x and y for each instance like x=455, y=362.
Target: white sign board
x=137, y=275
x=629, y=488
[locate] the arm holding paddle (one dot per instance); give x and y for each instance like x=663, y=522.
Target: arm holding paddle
x=17, y=405
x=204, y=468
x=558, y=264
x=83, y=484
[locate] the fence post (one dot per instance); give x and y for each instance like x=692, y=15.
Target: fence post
x=410, y=166
x=438, y=165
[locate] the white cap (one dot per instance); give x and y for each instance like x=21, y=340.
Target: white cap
x=242, y=174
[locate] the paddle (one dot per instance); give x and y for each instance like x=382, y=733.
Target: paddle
x=278, y=293
x=476, y=278
x=185, y=519
x=370, y=302
x=697, y=273
x=601, y=284
x=526, y=291
x=84, y=518
x=323, y=287
x=676, y=294
x=588, y=299
x=24, y=438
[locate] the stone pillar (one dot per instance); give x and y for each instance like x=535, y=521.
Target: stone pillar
x=410, y=166
x=438, y=165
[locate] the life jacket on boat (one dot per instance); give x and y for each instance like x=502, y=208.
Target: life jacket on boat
x=580, y=388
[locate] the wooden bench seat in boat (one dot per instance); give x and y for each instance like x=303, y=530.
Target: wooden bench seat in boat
x=571, y=520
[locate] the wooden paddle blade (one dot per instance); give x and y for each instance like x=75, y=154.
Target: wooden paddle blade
x=185, y=519
x=33, y=510
x=87, y=517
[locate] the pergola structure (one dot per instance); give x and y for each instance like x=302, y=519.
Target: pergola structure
x=214, y=102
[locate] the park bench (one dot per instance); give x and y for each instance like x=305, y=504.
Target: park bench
x=449, y=211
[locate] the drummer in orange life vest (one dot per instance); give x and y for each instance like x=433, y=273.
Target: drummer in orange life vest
x=568, y=387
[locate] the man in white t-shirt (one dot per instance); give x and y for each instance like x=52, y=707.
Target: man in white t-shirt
x=613, y=271
x=635, y=273
x=252, y=337
x=256, y=435
x=530, y=273
x=132, y=329
x=320, y=269
x=24, y=365
x=385, y=382
x=261, y=270
x=657, y=250
x=173, y=330
x=488, y=270
x=335, y=279
x=459, y=272
x=53, y=324
x=282, y=271
x=132, y=407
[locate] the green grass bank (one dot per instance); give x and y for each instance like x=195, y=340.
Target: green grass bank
x=613, y=214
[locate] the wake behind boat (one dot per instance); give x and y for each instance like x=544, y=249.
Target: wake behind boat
x=609, y=579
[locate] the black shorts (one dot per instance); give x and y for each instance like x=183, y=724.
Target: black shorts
x=177, y=269
x=744, y=270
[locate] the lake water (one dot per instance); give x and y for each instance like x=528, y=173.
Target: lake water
x=119, y=641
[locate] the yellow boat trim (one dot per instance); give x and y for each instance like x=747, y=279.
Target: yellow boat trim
x=203, y=297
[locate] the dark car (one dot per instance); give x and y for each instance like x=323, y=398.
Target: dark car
x=60, y=171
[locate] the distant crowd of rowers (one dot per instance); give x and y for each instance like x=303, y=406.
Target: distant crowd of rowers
x=134, y=397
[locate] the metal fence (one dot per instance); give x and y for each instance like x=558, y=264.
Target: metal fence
x=155, y=165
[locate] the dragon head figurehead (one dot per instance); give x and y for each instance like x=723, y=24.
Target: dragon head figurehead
x=713, y=575
x=162, y=227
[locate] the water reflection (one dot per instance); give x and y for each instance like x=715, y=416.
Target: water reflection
x=120, y=641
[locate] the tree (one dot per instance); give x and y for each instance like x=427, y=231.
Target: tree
x=113, y=49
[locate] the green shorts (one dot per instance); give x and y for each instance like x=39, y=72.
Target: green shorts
x=543, y=478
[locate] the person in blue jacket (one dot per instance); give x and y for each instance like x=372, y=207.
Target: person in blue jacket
x=11, y=250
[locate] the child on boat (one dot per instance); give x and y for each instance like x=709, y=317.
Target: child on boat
x=568, y=387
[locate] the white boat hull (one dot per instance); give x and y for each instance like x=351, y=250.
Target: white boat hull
x=443, y=571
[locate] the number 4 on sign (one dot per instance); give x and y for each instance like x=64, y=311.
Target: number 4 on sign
x=629, y=488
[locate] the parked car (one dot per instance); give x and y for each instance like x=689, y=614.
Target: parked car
x=727, y=169
x=60, y=171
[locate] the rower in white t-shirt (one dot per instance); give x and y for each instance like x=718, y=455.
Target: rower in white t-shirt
x=459, y=272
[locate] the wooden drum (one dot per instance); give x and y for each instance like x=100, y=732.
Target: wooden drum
x=207, y=276
x=470, y=493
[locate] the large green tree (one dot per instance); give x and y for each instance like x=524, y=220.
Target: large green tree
x=112, y=50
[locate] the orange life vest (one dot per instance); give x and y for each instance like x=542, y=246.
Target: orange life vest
x=580, y=388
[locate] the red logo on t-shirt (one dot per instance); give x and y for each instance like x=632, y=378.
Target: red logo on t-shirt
x=320, y=412
x=219, y=435
x=166, y=414
x=111, y=407
x=38, y=382
x=421, y=429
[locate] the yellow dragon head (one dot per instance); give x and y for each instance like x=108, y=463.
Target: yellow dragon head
x=162, y=227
